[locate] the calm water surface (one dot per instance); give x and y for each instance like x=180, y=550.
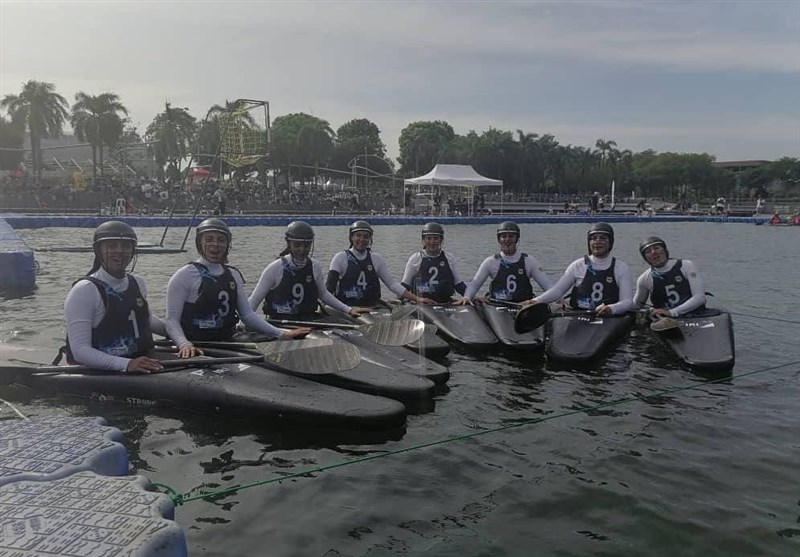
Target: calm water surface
x=708, y=471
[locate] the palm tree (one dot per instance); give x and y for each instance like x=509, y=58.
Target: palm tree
x=605, y=147
x=172, y=133
x=97, y=119
x=43, y=111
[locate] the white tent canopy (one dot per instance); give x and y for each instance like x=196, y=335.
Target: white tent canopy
x=452, y=175
x=455, y=175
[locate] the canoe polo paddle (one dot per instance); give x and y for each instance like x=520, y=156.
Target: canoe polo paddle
x=21, y=366
x=386, y=332
x=311, y=356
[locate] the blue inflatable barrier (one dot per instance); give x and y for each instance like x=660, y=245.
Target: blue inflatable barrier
x=83, y=221
x=17, y=265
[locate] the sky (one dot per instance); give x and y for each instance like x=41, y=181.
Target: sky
x=701, y=76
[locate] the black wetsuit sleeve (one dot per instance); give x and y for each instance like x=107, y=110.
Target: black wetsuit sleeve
x=332, y=281
x=461, y=288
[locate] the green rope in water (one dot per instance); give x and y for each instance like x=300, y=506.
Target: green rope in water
x=180, y=499
x=764, y=317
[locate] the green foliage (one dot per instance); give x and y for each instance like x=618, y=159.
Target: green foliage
x=39, y=108
x=12, y=137
x=301, y=139
x=357, y=137
x=422, y=145
x=172, y=133
x=97, y=120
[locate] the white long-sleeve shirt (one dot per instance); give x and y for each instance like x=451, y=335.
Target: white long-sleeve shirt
x=576, y=271
x=339, y=264
x=273, y=274
x=644, y=286
x=84, y=310
x=184, y=287
x=491, y=266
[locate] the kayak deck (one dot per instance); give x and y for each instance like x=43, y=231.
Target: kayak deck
x=580, y=338
x=703, y=341
x=500, y=319
x=233, y=389
x=461, y=324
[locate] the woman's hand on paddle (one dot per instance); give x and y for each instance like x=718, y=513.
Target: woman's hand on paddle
x=527, y=303
x=603, y=309
x=299, y=332
x=143, y=364
x=463, y=302
x=189, y=351
x=422, y=300
x=355, y=312
x=658, y=313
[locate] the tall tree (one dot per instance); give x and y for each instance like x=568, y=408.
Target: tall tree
x=12, y=138
x=605, y=147
x=422, y=144
x=301, y=139
x=172, y=133
x=98, y=119
x=43, y=111
x=357, y=137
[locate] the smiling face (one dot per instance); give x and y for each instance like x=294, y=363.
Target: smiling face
x=299, y=250
x=599, y=244
x=214, y=246
x=116, y=255
x=361, y=240
x=432, y=243
x=655, y=255
x=508, y=242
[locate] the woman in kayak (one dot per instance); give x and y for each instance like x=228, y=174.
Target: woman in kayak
x=356, y=273
x=293, y=285
x=511, y=271
x=674, y=286
x=598, y=281
x=432, y=273
x=206, y=298
x=109, y=324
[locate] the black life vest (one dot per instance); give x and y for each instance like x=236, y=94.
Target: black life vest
x=597, y=287
x=512, y=282
x=671, y=289
x=434, y=279
x=360, y=285
x=125, y=328
x=296, y=294
x=214, y=315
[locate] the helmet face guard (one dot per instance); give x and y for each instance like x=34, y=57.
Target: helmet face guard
x=112, y=230
x=360, y=226
x=433, y=229
x=600, y=228
x=508, y=227
x=649, y=242
x=212, y=225
x=299, y=231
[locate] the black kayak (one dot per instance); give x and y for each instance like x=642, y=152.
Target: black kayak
x=500, y=319
x=430, y=345
x=703, y=340
x=580, y=338
x=238, y=389
x=461, y=324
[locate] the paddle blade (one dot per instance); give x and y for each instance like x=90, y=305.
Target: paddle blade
x=403, y=311
x=664, y=324
x=531, y=318
x=394, y=333
x=312, y=356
